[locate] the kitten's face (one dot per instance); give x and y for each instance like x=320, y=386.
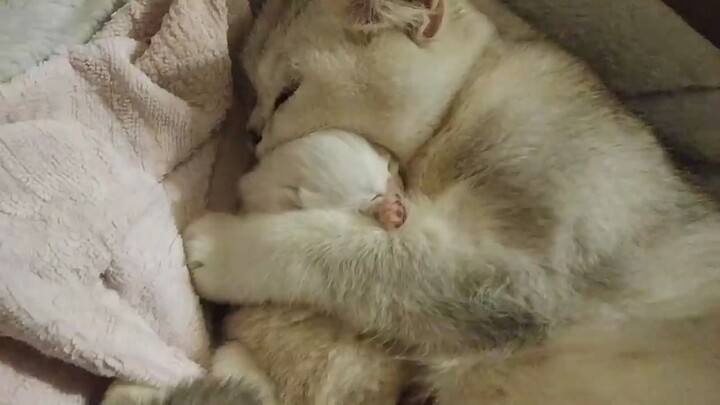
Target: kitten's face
x=372, y=67
x=325, y=169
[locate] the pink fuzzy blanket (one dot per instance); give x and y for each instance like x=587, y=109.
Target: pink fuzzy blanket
x=105, y=152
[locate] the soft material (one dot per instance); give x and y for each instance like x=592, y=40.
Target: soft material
x=105, y=152
x=28, y=378
x=32, y=30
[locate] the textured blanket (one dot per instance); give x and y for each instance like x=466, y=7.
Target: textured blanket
x=105, y=152
x=32, y=30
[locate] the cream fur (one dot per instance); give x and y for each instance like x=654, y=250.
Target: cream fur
x=552, y=254
x=310, y=358
x=326, y=169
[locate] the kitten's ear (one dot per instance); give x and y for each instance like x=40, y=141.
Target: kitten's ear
x=422, y=17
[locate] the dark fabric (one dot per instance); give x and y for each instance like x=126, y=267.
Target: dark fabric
x=703, y=15
x=664, y=71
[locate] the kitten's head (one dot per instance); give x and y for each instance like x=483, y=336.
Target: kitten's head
x=385, y=69
x=325, y=169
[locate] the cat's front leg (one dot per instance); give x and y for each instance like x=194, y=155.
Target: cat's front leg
x=207, y=253
x=338, y=261
x=244, y=260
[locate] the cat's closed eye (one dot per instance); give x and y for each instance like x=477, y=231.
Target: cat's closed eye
x=285, y=95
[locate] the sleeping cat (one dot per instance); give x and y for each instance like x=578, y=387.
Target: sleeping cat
x=552, y=255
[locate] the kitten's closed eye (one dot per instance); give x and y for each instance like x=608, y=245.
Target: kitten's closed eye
x=285, y=95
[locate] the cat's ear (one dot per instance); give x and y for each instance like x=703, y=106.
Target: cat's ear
x=430, y=28
x=423, y=18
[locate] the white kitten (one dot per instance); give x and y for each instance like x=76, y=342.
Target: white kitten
x=327, y=169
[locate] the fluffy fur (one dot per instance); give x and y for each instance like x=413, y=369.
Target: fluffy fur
x=552, y=254
x=235, y=378
x=326, y=169
x=310, y=357
x=204, y=391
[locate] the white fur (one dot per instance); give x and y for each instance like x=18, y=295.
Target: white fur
x=326, y=169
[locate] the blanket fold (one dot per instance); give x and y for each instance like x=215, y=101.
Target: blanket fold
x=104, y=152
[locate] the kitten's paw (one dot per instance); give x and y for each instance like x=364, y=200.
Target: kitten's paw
x=391, y=212
x=206, y=253
x=122, y=393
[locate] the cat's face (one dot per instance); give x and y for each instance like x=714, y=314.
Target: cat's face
x=385, y=69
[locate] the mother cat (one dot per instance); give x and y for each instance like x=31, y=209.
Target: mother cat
x=551, y=254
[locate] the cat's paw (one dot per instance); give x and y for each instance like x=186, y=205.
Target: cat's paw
x=121, y=393
x=206, y=253
x=391, y=212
